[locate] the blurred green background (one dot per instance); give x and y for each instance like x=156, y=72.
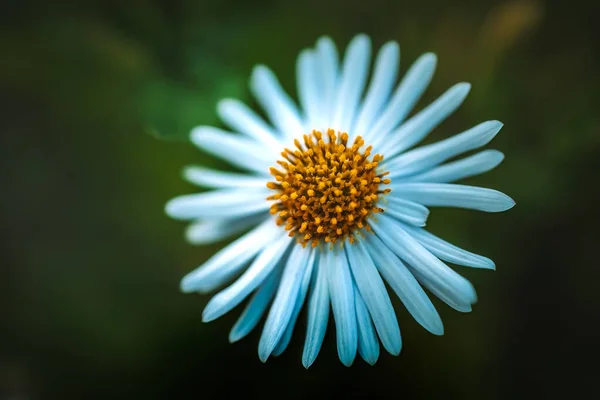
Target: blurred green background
x=97, y=99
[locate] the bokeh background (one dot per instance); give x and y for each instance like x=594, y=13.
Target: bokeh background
x=97, y=98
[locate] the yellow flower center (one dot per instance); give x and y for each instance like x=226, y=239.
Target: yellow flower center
x=326, y=190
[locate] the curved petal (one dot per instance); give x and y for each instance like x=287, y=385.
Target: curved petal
x=452, y=195
x=233, y=295
x=352, y=82
x=374, y=293
x=406, y=210
x=310, y=91
x=211, y=231
x=418, y=127
x=405, y=97
x=447, y=251
x=404, y=284
x=368, y=344
x=422, y=261
x=275, y=101
x=450, y=298
x=469, y=166
x=342, y=302
x=210, y=178
x=289, y=330
x=228, y=261
x=234, y=149
x=229, y=203
x=256, y=308
x=384, y=75
x=428, y=156
x=241, y=118
x=318, y=313
x=285, y=300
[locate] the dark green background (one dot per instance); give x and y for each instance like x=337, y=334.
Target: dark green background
x=96, y=101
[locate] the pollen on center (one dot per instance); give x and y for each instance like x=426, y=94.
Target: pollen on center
x=326, y=190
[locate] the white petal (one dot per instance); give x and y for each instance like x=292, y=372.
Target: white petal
x=228, y=261
x=310, y=89
x=211, y=231
x=454, y=300
x=405, y=97
x=374, y=293
x=404, y=284
x=352, y=82
x=211, y=178
x=449, y=252
x=256, y=308
x=418, y=127
x=241, y=118
x=405, y=210
x=452, y=195
x=368, y=344
x=283, y=306
x=386, y=71
x=425, y=157
x=277, y=104
x=228, y=203
x=341, y=290
x=306, y=281
x=233, y=295
x=318, y=313
x=328, y=65
x=466, y=167
x=235, y=149
x=421, y=260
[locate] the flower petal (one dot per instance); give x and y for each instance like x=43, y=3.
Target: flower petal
x=447, y=251
x=310, y=90
x=328, y=66
x=275, y=101
x=417, y=127
x=476, y=164
x=352, y=82
x=404, y=284
x=210, y=178
x=230, y=203
x=229, y=260
x=289, y=330
x=450, y=298
x=256, y=308
x=384, y=75
x=342, y=302
x=241, y=118
x=406, y=211
x=452, y=195
x=422, y=261
x=405, y=97
x=285, y=299
x=211, y=231
x=234, y=149
x=374, y=293
x=428, y=156
x=233, y=295
x=318, y=312
x=368, y=344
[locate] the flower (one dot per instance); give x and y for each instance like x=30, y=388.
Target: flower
x=336, y=200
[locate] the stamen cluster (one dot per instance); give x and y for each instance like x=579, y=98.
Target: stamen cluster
x=326, y=190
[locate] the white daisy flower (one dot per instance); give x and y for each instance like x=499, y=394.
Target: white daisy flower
x=335, y=200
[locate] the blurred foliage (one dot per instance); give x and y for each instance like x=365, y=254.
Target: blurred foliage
x=91, y=265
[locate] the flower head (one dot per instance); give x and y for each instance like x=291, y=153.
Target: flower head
x=334, y=200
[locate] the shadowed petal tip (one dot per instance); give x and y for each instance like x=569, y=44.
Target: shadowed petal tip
x=463, y=88
x=429, y=58
x=306, y=362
